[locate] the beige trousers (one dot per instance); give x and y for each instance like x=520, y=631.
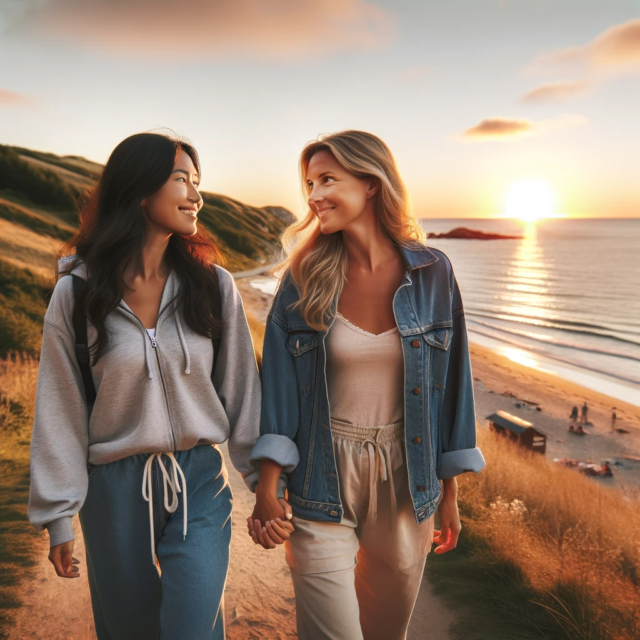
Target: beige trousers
x=360, y=579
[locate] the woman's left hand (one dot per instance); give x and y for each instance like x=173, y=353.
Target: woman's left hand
x=447, y=536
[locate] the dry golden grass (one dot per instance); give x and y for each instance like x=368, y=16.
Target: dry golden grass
x=575, y=543
x=28, y=250
x=18, y=378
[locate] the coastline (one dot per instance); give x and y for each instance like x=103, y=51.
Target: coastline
x=617, y=389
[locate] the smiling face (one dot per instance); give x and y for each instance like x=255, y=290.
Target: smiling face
x=337, y=197
x=174, y=207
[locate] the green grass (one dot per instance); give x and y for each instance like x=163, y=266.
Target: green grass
x=38, y=185
x=75, y=164
x=33, y=222
x=242, y=229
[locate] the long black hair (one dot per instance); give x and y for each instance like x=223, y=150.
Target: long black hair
x=113, y=231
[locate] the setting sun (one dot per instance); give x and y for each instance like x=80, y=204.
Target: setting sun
x=530, y=199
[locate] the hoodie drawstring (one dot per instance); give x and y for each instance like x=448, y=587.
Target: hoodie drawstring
x=170, y=479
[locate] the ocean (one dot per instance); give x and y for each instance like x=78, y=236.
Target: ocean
x=564, y=299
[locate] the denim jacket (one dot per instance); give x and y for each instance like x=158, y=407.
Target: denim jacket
x=440, y=426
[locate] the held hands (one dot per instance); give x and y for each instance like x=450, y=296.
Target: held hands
x=63, y=561
x=269, y=523
x=447, y=537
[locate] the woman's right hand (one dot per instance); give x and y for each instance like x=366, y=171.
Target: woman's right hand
x=61, y=557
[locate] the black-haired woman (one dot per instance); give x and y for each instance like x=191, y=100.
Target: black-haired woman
x=141, y=462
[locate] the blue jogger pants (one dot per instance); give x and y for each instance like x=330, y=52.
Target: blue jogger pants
x=131, y=599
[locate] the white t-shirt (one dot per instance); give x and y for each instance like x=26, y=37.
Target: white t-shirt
x=151, y=332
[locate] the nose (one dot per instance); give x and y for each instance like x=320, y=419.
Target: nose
x=315, y=197
x=194, y=195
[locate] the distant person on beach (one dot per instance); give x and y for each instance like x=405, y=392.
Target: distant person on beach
x=173, y=375
x=585, y=411
x=574, y=414
x=367, y=398
x=614, y=417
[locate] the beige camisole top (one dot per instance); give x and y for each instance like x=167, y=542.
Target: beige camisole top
x=365, y=375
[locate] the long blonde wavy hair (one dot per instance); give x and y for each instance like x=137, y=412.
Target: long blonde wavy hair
x=318, y=262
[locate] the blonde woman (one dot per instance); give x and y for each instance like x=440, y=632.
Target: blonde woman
x=367, y=398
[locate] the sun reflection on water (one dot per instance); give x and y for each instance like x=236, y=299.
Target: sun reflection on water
x=528, y=274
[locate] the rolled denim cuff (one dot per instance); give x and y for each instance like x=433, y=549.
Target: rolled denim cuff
x=453, y=463
x=280, y=449
x=251, y=481
x=60, y=531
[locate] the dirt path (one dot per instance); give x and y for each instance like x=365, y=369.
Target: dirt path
x=259, y=600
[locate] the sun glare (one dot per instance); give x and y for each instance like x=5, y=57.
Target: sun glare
x=530, y=199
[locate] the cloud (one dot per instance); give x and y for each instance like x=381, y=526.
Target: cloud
x=511, y=129
x=258, y=28
x=11, y=99
x=554, y=91
x=492, y=128
x=616, y=49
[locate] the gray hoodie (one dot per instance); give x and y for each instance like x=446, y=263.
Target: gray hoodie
x=149, y=399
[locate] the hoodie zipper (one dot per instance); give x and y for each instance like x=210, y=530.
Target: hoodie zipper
x=154, y=344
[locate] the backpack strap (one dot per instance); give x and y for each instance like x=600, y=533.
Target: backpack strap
x=83, y=355
x=217, y=312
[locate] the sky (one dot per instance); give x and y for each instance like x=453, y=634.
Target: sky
x=471, y=96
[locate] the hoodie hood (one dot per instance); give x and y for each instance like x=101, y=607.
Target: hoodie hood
x=71, y=265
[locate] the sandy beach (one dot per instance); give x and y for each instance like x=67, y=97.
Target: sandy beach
x=259, y=601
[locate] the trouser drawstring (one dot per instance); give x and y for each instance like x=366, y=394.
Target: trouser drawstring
x=169, y=479
x=379, y=468
x=375, y=440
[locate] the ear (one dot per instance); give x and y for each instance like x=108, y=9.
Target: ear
x=143, y=202
x=373, y=186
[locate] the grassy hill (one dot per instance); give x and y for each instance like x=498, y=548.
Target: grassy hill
x=38, y=212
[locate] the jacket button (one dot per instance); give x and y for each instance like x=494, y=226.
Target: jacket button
x=415, y=343
x=420, y=487
x=416, y=391
x=334, y=513
x=417, y=439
